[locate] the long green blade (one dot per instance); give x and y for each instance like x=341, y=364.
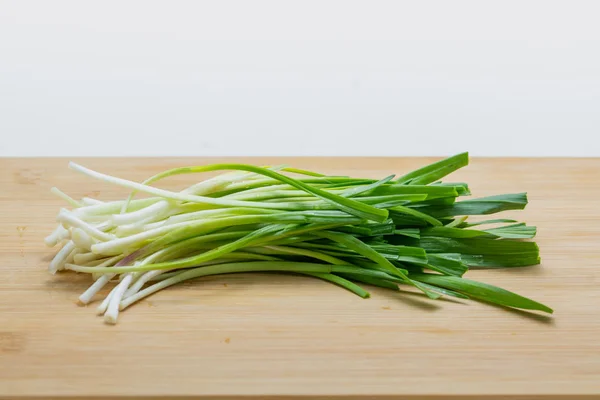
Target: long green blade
x=435, y=171
x=482, y=291
x=481, y=206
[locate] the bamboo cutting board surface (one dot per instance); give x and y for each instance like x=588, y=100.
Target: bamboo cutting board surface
x=261, y=334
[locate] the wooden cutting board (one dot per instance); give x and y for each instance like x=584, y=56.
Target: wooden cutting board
x=261, y=334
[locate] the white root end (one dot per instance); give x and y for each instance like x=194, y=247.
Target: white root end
x=87, y=296
x=56, y=236
x=112, y=313
x=98, y=235
x=51, y=240
x=70, y=257
x=59, y=260
x=101, y=309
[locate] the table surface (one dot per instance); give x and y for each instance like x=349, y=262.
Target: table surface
x=261, y=334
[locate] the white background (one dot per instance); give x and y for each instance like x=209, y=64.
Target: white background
x=496, y=78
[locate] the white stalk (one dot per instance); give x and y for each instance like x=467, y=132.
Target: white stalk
x=241, y=185
x=110, y=261
x=184, y=275
x=82, y=239
x=103, y=262
x=113, y=207
x=118, y=245
x=148, y=291
x=92, y=263
x=87, y=296
x=164, y=276
x=132, y=229
x=138, y=284
x=67, y=217
x=169, y=194
x=283, y=186
x=97, y=275
x=101, y=309
x=155, y=210
x=88, y=201
x=207, y=187
x=150, y=259
x=70, y=257
x=56, y=236
x=104, y=226
x=83, y=258
x=218, y=182
x=59, y=259
x=112, y=313
x=74, y=203
x=200, y=214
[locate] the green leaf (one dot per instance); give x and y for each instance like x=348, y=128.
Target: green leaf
x=481, y=206
x=435, y=171
x=491, y=252
x=372, y=281
x=461, y=187
x=439, y=201
x=372, y=273
x=354, y=244
x=456, y=222
x=484, y=261
x=357, y=190
x=410, y=232
x=415, y=255
x=373, y=229
x=368, y=264
x=429, y=191
x=354, y=288
x=482, y=291
x=347, y=183
x=302, y=172
x=515, y=231
x=443, y=291
x=443, y=231
x=465, y=224
x=418, y=215
x=379, y=200
x=361, y=248
x=447, y=263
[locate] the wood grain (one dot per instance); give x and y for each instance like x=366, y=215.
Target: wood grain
x=290, y=337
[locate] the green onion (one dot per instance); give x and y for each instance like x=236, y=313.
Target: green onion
x=344, y=230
